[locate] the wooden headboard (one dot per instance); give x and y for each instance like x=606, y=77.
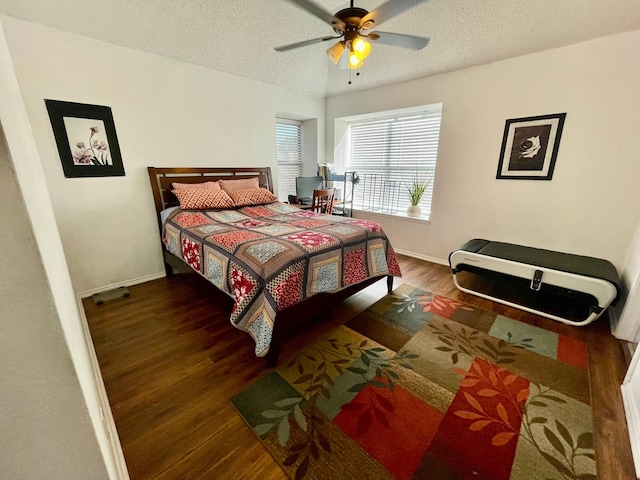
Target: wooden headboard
x=162, y=178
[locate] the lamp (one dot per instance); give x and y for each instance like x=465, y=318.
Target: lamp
x=358, y=51
x=354, y=61
x=360, y=48
x=334, y=53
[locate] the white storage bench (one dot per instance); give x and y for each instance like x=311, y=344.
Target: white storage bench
x=539, y=275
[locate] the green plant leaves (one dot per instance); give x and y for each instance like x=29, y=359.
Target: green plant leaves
x=301, y=471
x=357, y=370
x=287, y=402
x=263, y=428
x=303, y=379
x=567, y=447
x=365, y=359
x=564, y=433
x=283, y=431
x=300, y=418
x=538, y=420
x=585, y=440
x=554, y=441
x=557, y=464
x=358, y=387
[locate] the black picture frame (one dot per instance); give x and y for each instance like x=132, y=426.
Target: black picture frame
x=86, y=139
x=530, y=147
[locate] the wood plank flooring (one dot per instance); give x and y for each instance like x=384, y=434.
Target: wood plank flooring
x=171, y=360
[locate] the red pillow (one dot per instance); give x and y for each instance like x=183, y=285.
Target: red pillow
x=186, y=186
x=252, y=196
x=241, y=184
x=203, y=199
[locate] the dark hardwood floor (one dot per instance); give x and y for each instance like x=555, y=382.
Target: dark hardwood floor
x=171, y=360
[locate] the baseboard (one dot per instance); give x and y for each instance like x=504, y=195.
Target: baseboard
x=614, y=318
x=629, y=350
x=155, y=276
x=133, y=281
x=439, y=261
x=633, y=423
x=115, y=458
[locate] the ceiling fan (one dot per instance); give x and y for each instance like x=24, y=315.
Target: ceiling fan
x=352, y=27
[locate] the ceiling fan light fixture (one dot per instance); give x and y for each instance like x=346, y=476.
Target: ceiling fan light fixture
x=352, y=26
x=354, y=61
x=360, y=48
x=334, y=53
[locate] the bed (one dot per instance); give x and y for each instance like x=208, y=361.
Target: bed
x=276, y=261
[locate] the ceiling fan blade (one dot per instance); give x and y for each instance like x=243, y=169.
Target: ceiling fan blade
x=319, y=12
x=387, y=11
x=291, y=46
x=399, y=40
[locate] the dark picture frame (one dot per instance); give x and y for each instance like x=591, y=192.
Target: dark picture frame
x=86, y=139
x=530, y=147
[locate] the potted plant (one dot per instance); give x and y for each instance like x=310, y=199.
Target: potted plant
x=416, y=188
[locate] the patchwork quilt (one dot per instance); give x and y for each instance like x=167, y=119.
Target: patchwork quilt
x=269, y=257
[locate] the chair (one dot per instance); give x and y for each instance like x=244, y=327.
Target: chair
x=322, y=201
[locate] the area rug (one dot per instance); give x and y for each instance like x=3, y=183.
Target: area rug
x=420, y=386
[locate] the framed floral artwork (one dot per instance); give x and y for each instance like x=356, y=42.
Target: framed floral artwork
x=530, y=147
x=86, y=139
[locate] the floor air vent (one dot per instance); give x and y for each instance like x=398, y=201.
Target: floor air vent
x=100, y=298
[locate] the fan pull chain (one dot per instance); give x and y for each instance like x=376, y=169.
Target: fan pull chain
x=357, y=75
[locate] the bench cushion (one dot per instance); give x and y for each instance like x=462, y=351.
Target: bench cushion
x=565, y=262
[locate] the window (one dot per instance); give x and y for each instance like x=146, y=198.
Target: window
x=289, y=155
x=387, y=150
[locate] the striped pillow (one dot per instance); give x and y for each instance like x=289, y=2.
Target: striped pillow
x=252, y=196
x=203, y=199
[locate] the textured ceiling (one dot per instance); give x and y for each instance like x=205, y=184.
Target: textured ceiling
x=238, y=36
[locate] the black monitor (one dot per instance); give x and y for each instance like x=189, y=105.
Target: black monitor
x=305, y=187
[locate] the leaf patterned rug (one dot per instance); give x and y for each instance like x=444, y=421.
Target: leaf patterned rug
x=420, y=386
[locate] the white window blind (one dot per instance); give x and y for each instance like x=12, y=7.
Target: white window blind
x=387, y=152
x=289, y=155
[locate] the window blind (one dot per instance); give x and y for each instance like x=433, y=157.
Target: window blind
x=387, y=152
x=289, y=156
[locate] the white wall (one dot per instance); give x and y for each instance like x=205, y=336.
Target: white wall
x=590, y=207
x=45, y=425
x=45, y=428
x=628, y=310
x=56, y=419
x=166, y=113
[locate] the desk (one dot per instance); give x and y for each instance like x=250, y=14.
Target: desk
x=308, y=207
x=301, y=206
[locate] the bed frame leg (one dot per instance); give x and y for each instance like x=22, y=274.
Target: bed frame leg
x=389, y=283
x=168, y=270
x=272, y=356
